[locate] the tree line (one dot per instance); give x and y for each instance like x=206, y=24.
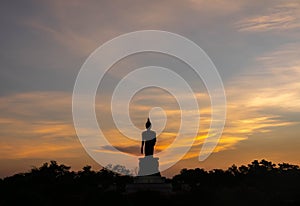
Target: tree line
x=260, y=182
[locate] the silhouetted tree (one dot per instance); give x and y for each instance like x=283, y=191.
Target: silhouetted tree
x=260, y=182
x=120, y=169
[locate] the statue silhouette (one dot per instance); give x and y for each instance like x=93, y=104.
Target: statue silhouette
x=148, y=139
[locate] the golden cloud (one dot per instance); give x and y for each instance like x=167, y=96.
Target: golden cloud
x=37, y=125
x=284, y=16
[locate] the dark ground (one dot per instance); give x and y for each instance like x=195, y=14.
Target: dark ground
x=258, y=183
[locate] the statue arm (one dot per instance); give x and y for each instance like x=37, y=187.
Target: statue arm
x=142, y=147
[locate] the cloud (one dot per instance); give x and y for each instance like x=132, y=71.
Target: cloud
x=76, y=43
x=282, y=17
x=260, y=100
x=83, y=26
x=134, y=149
x=244, y=119
x=37, y=125
x=275, y=84
x=248, y=98
x=219, y=7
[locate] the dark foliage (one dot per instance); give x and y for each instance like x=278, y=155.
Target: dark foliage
x=54, y=184
x=260, y=183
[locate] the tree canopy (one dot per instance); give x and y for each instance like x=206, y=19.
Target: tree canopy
x=260, y=182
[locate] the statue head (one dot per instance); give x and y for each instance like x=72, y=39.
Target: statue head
x=148, y=124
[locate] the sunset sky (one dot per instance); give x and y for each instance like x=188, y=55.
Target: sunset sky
x=255, y=45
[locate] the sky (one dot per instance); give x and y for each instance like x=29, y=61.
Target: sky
x=255, y=46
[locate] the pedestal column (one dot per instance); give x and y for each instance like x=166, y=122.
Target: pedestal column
x=148, y=165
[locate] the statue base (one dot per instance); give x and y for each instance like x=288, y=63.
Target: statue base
x=148, y=166
x=149, y=178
